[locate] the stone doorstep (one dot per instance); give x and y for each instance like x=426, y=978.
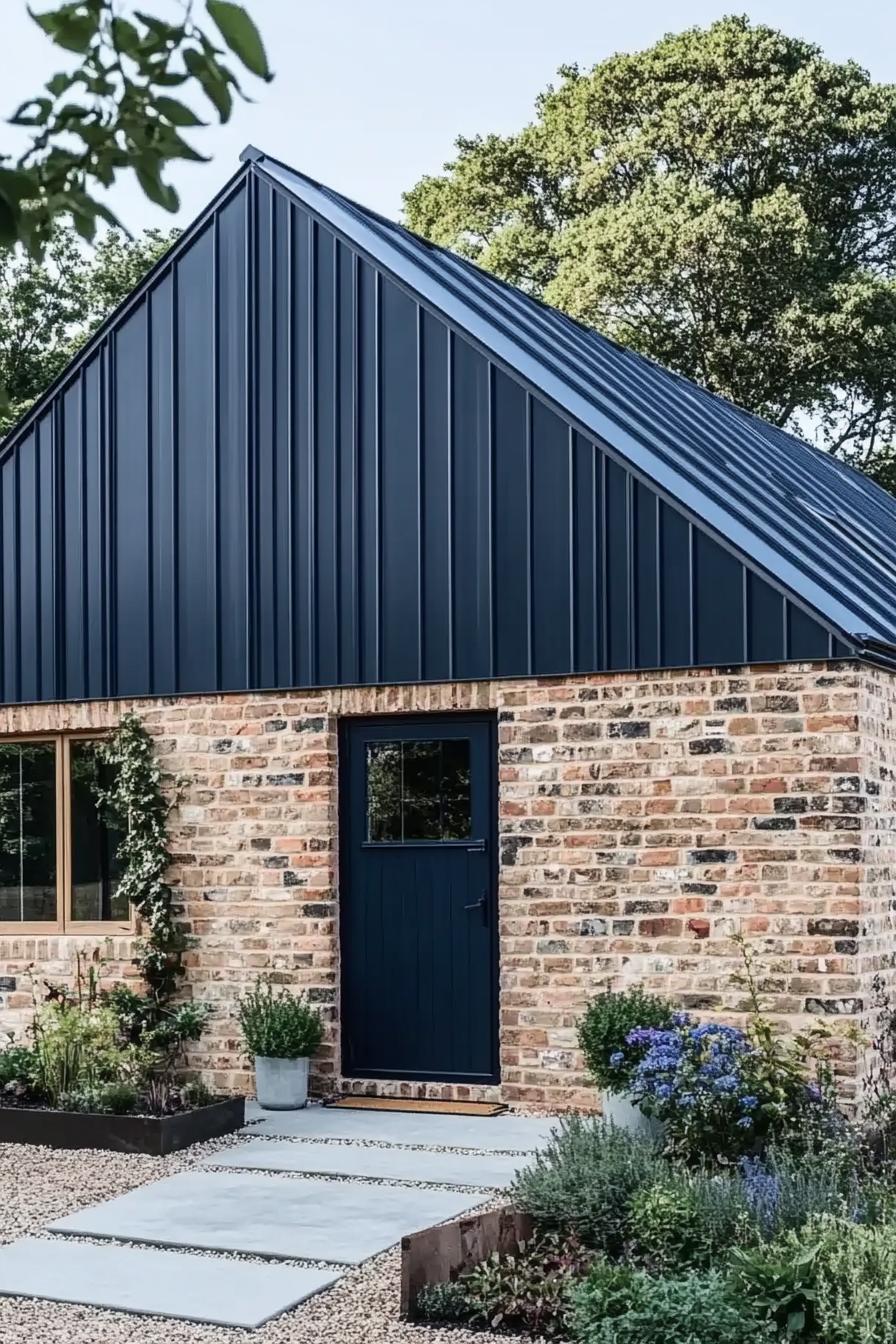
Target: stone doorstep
x=483, y=1170
x=340, y=1222
x=204, y=1289
x=492, y=1134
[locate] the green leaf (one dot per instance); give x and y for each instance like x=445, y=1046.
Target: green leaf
x=69, y=27
x=34, y=112
x=169, y=31
x=125, y=36
x=16, y=185
x=241, y=36
x=9, y=220
x=173, y=110
x=214, y=88
x=60, y=84
x=157, y=191
x=85, y=224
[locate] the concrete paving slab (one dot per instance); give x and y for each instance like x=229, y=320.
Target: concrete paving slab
x=340, y=1222
x=492, y=1170
x=495, y=1134
x=156, y=1283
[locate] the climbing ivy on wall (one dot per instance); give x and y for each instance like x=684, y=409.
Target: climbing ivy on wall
x=133, y=801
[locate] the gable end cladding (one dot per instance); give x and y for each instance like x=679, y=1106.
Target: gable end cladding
x=314, y=450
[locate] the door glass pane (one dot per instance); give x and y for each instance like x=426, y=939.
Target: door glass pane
x=418, y=790
x=95, y=869
x=27, y=831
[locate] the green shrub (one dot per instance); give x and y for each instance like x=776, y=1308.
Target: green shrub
x=695, y=1309
x=604, y=1027
x=777, y=1279
x=855, y=1282
x=75, y=1050
x=16, y=1066
x=196, y=1093
x=118, y=1098
x=608, y=1291
x=102, y=1099
x=584, y=1181
x=281, y=1025
x=688, y=1219
x=529, y=1290
x=442, y=1302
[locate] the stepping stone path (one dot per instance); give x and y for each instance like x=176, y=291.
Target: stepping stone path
x=489, y=1170
x=237, y=1207
x=156, y=1283
x=342, y=1222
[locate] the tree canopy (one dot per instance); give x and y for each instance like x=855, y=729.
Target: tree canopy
x=49, y=307
x=119, y=107
x=725, y=203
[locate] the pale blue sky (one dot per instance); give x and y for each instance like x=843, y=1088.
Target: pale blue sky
x=370, y=94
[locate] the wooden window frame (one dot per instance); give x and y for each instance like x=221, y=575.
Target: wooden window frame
x=63, y=923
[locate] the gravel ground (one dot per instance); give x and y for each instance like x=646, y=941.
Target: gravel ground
x=38, y=1185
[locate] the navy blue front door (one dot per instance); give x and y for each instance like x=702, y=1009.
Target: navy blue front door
x=417, y=894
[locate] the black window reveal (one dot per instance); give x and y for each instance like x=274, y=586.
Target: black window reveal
x=418, y=790
x=94, y=845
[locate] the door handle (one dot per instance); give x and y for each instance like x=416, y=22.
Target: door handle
x=481, y=904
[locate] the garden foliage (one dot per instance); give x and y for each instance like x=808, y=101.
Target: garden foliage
x=279, y=1025
x=116, y=1049
x=762, y=1212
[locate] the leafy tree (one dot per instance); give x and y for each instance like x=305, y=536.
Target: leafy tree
x=724, y=202
x=116, y=108
x=49, y=307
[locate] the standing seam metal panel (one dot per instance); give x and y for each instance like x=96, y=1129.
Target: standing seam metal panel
x=279, y=467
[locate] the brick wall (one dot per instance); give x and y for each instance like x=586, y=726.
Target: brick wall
x=877, y=948
x=645, y=819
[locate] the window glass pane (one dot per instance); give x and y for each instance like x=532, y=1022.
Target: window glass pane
x=418, y=790
x=27, y=831
x=95, y=870
x=384, y=791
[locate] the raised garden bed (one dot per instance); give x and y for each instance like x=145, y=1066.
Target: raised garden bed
x=153, y=1134
x=439, y=1254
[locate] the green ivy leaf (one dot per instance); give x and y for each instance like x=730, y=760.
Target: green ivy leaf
x=241, y=36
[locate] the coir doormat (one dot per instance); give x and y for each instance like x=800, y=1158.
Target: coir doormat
x=484, y=1108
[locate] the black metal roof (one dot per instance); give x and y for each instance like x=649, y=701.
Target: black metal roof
x=313, y=449
x=820, y=528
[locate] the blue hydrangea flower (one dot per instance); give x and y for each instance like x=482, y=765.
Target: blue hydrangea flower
x=727, y=1083
x=617, y=1058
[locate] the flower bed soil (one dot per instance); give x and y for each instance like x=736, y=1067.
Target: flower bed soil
x=152, y=1134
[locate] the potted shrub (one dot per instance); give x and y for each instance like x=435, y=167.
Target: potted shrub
x=281, y=1031
x=604, y=1031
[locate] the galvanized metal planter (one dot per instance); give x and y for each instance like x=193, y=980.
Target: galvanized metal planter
x=619, y=1110
x=152, y=1134
x=281, y=1084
